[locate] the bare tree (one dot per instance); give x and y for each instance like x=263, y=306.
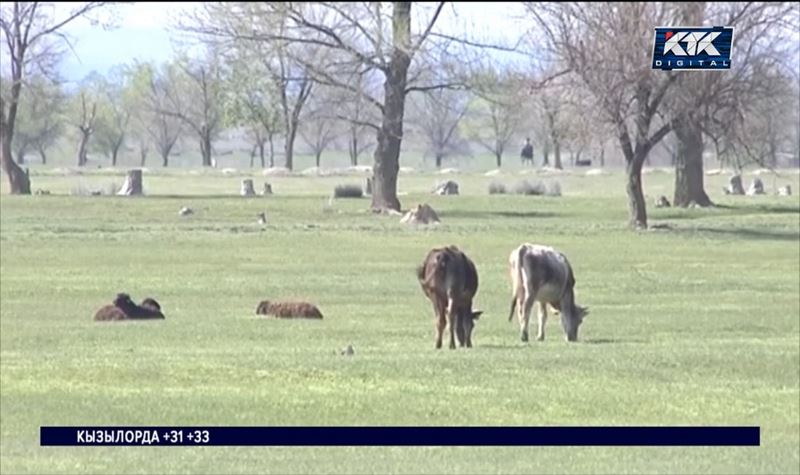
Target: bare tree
x=113, y=117
x=373, y=39
x=151, y=89
x=496, y=111
x=620, y=79
x=40, y=120
x=253, y=101
x=195, y=98
x=352, y=108
x=264, y=51
x=439, y=114
x=318, y=132
x=553, y=122
x=714, y=104
x=86, y=119
x=31, y=34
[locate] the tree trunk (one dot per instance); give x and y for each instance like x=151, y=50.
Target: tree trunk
x=115, y=154
x=546, y=155
x=165, y=158
x=499, y=157
x=390, y=135
x=317, y=157
x=132, y=185
x=602, y=157
x=438, y=161
x=261, y=153
x=557, y=154
x=21, y=155
x=20, y=183
x=205, y=149
x=636, y=204
x=18, y=180
x=271, y=152
x=689, y=165
x=247, y=188
x=83, y=147
x=288, y=145
x=43, y=155
x=352, y=146
x=142, y=156
x=253, y=155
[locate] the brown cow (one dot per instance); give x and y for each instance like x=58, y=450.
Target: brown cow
x=288, y=309
x=450, y=281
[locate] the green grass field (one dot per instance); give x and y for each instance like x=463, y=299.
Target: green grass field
x=695, y=325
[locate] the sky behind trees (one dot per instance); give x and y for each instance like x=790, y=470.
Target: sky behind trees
x=146, y=31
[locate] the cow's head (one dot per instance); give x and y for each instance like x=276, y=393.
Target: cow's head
x=572, y=321
x=467, y=325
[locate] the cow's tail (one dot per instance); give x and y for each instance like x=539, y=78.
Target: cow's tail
x=517, y=278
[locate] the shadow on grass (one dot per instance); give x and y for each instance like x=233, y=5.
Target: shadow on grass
x=610, y=341
x=504, y=214
x=776, y=209
x=517, y=345
x=743, y=233
x=678, y=213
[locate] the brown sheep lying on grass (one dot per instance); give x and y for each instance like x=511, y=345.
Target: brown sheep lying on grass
x=124, y=308
x=288, y=309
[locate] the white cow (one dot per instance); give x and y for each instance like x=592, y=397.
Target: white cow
x=542, y=274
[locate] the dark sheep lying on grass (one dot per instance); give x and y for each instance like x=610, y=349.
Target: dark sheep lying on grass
x=124, y=308
x=288, y=309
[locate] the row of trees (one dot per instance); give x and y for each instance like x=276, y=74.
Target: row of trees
x=149, y=109
x=361, y=70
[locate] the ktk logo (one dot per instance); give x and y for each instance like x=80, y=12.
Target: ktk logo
x=696, y=43
x=692, y=48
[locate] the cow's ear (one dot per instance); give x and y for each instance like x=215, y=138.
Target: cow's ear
x=476, y=315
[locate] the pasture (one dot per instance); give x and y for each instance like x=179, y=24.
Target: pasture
x=695, y=325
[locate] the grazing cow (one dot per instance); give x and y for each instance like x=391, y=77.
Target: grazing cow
x=450, y=281
x=288, y=309
x=544, y=275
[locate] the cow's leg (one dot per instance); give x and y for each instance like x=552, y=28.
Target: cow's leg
x=527, y=305
x=461, y=329
x=542, y=320
x=451, y=321
x=438, y=310
x=467, y=332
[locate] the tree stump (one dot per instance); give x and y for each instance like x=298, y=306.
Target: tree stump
x=735, y=187
x=267, y=189
x=423, y=214
x=132, y=185
x=447, y=188
x=368, y=186
x=662, y=202
x=247, y=188
x=756, y=187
